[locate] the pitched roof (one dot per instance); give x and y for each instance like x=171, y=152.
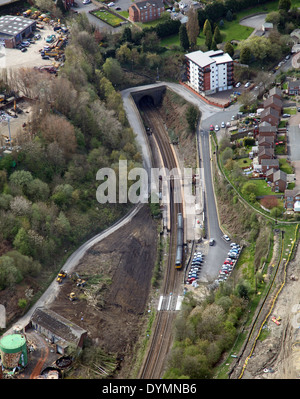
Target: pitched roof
x=272, y=100
x=292, y=193
x=269, y=162
x=58, y=325
x=263, y=139
x=294, y=83
x=146, y=3
x=280, y=175
x=265, y=150
x=274, y=91
x=270, y=111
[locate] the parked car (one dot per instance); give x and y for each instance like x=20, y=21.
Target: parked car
x=238, y=84
x=23, y=49
x=211, y=128
x=45, y=57
x=223, y=124
x=286, y=115
x=247, y=84
x=217, y=128
x=225, y=236
x=86, y=1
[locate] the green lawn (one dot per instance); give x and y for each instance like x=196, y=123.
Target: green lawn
x=244, y=162
x=107, y=17
x=124, y=14
x=262, y=187
x=285, y=166
x=290, y=110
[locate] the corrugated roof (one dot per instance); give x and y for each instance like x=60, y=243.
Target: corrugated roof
x=58, y=325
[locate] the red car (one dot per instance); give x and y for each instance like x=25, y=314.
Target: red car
x=211, y=128
x=227, y=262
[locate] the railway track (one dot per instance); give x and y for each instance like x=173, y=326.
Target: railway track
x=161, y=338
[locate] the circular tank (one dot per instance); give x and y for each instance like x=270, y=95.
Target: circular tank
x=13, y=351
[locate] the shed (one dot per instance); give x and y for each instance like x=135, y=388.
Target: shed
x=57, y=329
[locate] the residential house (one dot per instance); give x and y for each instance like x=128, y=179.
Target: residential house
x=57, y=329
x=276, y=92
x=294, y=87
x=292, y=199
x=273, y=102
x=279, y=181
x=270, y=115
x=209, y=72
x=265, y=153
x=267, y=164
x=146, y=10
x=266, y=141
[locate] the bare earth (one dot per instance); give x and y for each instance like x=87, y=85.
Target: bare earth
x=118, y=272
x=278, y=356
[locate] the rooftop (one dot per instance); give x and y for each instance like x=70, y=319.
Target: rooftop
x=58, y=325
x=147, y=3
x=12, y=25
x=209, y=57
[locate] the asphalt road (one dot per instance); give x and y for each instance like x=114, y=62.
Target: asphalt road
x=218, y=252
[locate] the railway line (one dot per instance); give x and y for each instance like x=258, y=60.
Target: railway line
x=161, y=338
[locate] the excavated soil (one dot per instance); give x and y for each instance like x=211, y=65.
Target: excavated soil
x=277, y=356
x=118, y=273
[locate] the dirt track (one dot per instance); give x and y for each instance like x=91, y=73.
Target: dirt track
x=123, y=262
x=278, y=355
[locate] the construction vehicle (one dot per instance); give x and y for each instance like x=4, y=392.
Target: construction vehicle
x=61, y=275
x=81, y=283
x=72, y=296
x=26, y=13
x=35, y=15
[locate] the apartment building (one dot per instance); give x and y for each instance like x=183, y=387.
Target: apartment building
x=209, y=72
x=146, y=10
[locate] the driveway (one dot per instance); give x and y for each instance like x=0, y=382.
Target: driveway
x=255, y=22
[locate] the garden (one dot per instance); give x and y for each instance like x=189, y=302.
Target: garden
x=106, y=16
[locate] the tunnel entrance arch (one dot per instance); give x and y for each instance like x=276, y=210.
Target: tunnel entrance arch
x=154, y=94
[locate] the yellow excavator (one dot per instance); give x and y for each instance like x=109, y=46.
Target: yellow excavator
x=72, y=296
x=61, y=275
